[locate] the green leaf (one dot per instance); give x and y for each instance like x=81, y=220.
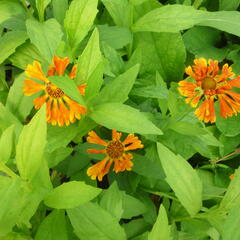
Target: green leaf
x=174, y=18
x=111, y=93
x=231, y=230
x=150, y=92
x=132, y=206
x=79, y=20
x=26, y=54
x=10, y=202
x=232, y=196
x=201, y=42
x=115, y=36
x=160, y=230
x=57, y=156
x=59, y=9
x=228, y=126
x=182, y=178
x=31, y=145
x=123, y=118
x=53, y=227
x=19, y=104
x=41, y=5
x=68, y=86
x=228, y=4
x=9, y=42
x=70, y=195
x=112, y=201
x=7, y=119
x=120, y=11
x=94, y=82
x=91, y=222
x=90, y=59
x=60, y=136
x=9, y=9
x=187, y=128
x=172, y=55
x=45, y=36
x=7, y=144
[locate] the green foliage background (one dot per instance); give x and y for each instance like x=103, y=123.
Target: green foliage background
x=130, y=54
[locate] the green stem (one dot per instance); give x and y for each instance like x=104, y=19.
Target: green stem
x=7, y=170
x=161, y=194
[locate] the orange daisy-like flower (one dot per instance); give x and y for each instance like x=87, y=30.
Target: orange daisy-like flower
x=115, y=151
x=61, y=109
x=210, y=84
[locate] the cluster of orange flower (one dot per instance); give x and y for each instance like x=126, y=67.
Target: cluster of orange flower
x=62, y=110
x=208, y=84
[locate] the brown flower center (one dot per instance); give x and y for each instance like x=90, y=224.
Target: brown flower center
x=53, y=91
x=209, y=83
x=115, y=149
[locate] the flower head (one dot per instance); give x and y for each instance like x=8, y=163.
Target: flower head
x=115, y=151
x=210, y=83
x=61, y=109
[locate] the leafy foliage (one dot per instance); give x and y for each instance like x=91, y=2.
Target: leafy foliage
x=181, y=178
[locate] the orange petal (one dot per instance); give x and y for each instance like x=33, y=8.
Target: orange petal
x=63, y=117
x=76, y=109
x=96, y=150
x=205, y=112
x=100, y=169
x=136, y=145
x=60, y=64
x=38, y=102
x=82, y=88
x=116, y=135
x=72, y=74
x=51, y=71
x=123, y=164
x=94, y=138
x=54, y=113
x=235, y=82
x=225, y=109
x=31, y=87
x=35, y=71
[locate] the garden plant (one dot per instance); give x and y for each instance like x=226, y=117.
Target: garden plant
x=119, y=119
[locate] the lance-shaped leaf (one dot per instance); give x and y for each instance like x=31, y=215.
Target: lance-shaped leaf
x=79, y=19
x=45, y=36
x=71, y=194
x=68, y=86
x=182, y=178
x=232, y=196
x=53, y=227
x=90, y=59
x=174, y=18
x=31, y=145
x=9, y=42
x=160, y=230
x=91, y=222
x=123, y=118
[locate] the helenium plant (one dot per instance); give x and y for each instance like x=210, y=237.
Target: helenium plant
x=119, y=119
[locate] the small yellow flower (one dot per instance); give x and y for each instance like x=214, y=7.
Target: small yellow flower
x=61, y=109
x=115, y=151
x=211, y=84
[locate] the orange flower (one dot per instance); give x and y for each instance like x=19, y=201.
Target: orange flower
x=210, y=84
x=61, y=109
x=115, y=151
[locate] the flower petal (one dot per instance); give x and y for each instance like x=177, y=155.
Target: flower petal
x=35, y=71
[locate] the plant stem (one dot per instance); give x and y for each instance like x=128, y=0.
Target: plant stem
x=215, y=161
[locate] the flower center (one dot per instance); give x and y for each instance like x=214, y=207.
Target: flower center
x=115, y=149
x=53, y=91
x=208, y=83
